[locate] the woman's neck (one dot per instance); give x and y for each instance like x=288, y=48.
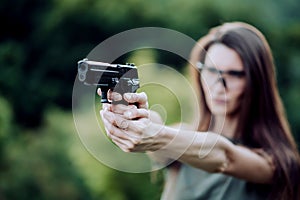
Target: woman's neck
x=224, y=125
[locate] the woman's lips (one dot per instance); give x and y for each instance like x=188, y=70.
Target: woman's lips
x=219, y=101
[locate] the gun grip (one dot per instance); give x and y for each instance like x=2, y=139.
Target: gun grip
x=104, y=95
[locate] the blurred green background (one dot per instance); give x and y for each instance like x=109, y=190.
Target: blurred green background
x=41, y=156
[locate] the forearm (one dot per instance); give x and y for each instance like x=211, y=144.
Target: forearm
x=214, y=153
x=160, y=157
x=206, y=151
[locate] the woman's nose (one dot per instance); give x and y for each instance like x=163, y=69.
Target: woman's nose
x=222, y=80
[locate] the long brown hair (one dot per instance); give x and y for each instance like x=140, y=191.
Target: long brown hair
x=262, y=121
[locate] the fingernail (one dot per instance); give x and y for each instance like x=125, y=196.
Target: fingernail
x=127, y=96
x=117, y=97
x=99, y=92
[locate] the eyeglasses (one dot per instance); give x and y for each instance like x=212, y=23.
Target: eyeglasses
x=231, y=79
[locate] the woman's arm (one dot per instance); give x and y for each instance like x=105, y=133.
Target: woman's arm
x=134, y=131
x=208, y=151
x=214, y=153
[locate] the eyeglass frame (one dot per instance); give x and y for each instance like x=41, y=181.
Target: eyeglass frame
x=235, y=73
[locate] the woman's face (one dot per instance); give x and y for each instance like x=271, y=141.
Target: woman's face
x=223, y=80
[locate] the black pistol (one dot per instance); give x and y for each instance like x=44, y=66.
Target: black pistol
x=116, y=77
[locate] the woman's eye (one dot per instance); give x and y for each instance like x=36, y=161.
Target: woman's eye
x=238, y=74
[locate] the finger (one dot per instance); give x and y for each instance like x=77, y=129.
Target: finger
x=122, y=143
x=121, y=109
x=125, y=145
x=117, y=134
x=106, y=123
x=106, y=106
x=99, y=92
x=118, y=126
x=135, y=113
x=122, y=146
x=125, y=137
x=109, y=122
x=107, y=116
x=114, y=96
x=140, y=98
x=132, y=130
x=115, y=119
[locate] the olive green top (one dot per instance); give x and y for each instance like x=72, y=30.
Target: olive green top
x=196, y=184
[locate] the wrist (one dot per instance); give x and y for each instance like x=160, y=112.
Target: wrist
x=166, y=142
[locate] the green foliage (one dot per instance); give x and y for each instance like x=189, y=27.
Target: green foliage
x=5, y=130
x=43, y=41
x=41, y=157
x=52, y=163
x=37, y=167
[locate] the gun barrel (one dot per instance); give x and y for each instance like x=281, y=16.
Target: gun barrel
x=97, y=73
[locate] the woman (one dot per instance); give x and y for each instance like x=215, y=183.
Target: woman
x=255, y=157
